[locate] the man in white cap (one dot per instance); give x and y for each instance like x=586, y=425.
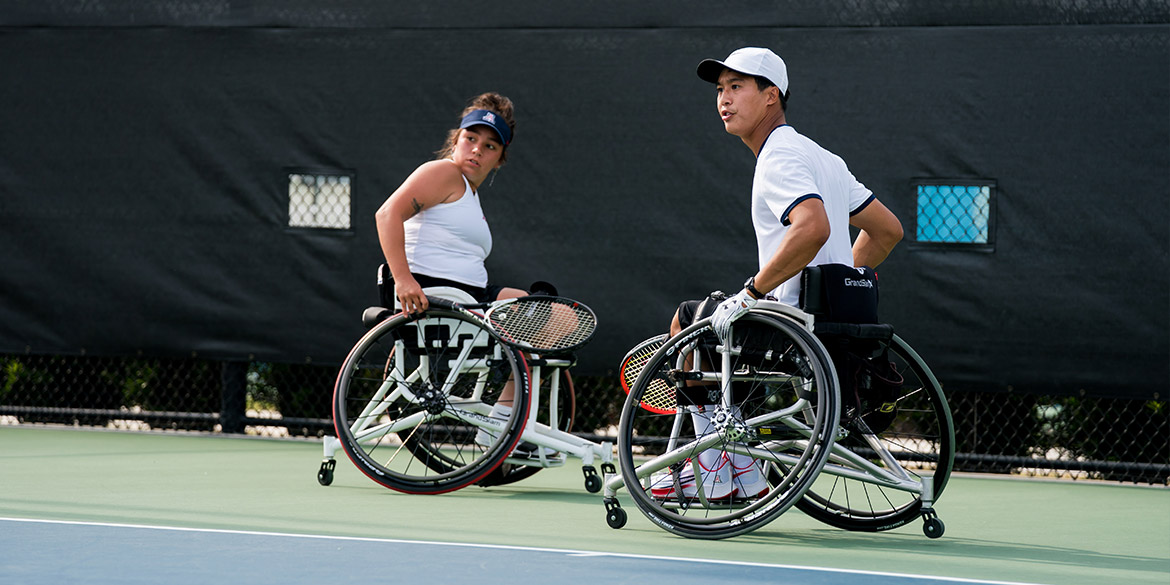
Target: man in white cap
x=803, y=197
x=803, y=201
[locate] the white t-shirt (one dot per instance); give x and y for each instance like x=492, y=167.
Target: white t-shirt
x=450, y=240
x=790, y=169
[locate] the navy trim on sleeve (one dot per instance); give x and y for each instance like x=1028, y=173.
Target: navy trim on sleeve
x=863, y=205
x=799, y=200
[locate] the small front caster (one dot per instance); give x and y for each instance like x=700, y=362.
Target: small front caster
x=325, y=474
x=592, y=480
x=615, y=516
x=932, y=527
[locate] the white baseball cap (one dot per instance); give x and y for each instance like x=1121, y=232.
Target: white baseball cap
x=750, y=60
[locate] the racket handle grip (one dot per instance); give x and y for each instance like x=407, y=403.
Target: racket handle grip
x=440, y=302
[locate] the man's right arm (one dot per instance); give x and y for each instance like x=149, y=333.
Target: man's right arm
x=880, y=232
x=808, y=231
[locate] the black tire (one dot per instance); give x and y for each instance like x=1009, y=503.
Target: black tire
x=921, y=438
x=933, y=528
x=615, y=518
x=325, y=473
x=434, y=399
x=593, y=484
x=783, y=367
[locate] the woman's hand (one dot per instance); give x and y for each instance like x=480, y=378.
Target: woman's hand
x=410, y=295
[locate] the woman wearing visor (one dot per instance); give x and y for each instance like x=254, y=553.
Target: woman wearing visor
x=432, y=229
x=434, y=233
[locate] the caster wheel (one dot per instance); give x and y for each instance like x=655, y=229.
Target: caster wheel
x=615, y=517
x=593, y=484
x=933, y=528
x=325, y=474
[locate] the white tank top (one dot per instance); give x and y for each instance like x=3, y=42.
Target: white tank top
x=450, y=240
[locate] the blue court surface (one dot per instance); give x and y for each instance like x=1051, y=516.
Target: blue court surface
x=40, y=552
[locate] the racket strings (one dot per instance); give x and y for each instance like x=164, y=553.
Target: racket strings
x=546, y=324
x=635, y=363
x=659, y=394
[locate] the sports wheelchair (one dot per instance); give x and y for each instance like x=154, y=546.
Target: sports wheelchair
x=433, y=402
x=718, y=439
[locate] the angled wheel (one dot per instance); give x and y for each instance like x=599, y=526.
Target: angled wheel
x=717, y=460
x=413, y=403
x=873, y=481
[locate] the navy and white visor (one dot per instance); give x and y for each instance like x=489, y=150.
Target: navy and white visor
x=489, y=118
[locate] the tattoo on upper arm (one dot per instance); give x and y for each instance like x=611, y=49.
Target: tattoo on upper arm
x=415, y=207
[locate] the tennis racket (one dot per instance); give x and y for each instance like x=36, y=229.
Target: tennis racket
x=659, y=395
x=542, y=324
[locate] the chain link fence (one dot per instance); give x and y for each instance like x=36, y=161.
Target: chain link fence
x=954, y=213
x=317, y=200
x=1071, y=437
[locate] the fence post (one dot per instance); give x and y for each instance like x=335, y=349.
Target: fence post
x=234, y=397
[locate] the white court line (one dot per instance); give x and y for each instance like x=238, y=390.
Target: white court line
x=568, y=552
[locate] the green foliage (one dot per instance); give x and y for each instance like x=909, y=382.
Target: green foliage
x=262, y=393
x=12, y=369
x=135, y=381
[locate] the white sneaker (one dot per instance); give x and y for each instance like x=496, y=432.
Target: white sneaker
x=715, y=469
x=662, y=483
x=749, y=478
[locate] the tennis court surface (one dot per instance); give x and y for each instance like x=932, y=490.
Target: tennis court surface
x=85, y=506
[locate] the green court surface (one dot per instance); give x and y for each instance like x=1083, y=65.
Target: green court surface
x=997, y=529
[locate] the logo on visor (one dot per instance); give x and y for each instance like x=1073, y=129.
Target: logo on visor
x=489, y=117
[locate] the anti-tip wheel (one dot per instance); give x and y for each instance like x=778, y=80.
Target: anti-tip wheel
x=615, y=517
x=933, y=527
x=593, y=484
x=325, y=474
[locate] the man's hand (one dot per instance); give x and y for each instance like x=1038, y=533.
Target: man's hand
x=729, y=311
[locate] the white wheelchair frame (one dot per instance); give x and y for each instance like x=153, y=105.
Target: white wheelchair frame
x=543, y=436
